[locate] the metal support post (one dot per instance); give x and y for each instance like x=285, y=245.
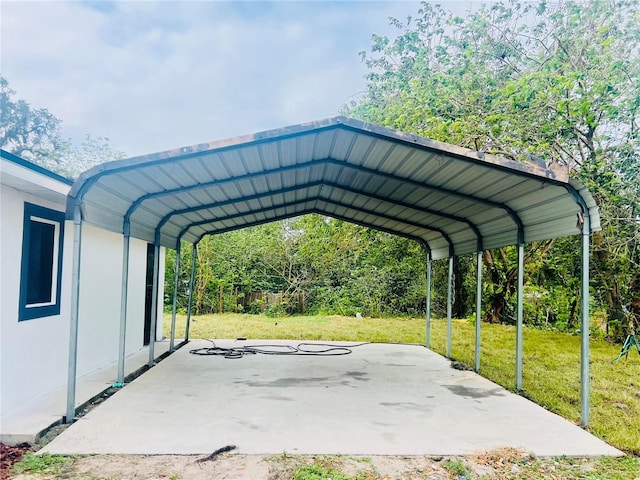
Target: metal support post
x=520, y=314
x=176, y=277
x=449, y=306
x=73, y=324
x=123, y=305
x=584, y=329
x=154, y=300
x=478, y=308
x=194, y=256
x=428, y=306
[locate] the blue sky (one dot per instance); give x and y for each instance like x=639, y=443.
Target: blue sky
x=158, y=75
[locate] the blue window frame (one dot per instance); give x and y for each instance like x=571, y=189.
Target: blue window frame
x=41, y=267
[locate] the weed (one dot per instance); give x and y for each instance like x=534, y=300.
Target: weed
x=44, y=463
x=456, y=467
x=318, y=472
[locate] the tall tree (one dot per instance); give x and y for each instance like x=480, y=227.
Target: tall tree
x=29, y=133
x=559, y=81
x=34, y=134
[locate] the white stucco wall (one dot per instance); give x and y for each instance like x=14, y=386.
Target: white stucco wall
x=100, y=295
x=34, y=353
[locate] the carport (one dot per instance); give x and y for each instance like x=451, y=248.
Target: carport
x=451, y=200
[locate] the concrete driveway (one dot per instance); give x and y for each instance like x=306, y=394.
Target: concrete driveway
x=381, y=399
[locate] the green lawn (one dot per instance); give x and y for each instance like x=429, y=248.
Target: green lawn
x=551, y=360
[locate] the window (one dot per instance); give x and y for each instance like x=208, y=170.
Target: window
x=41, y=270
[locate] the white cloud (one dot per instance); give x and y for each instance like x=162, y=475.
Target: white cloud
x=157, y=75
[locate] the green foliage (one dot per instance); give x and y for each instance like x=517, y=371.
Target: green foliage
x=333, y=266
x=526, y=80
x=318, y=472
x=44, y=463
x=34, y=134
x=518, y=80
x=25, y=131
x=456, y=467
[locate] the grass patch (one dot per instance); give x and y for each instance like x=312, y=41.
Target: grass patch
x=551, y=360
x=44, y=464
x=331, y=328
x=317, y=472
x=320, y=467
x=456, y=467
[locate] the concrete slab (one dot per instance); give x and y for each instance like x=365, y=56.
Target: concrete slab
x=27, y=423
x=380, y=400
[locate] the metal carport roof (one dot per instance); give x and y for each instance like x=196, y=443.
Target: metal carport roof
x=453, y=199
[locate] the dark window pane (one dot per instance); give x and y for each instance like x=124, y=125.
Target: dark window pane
x=41, y=244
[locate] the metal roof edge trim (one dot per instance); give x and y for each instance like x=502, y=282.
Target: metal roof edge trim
x=561, y=174
x=576, y=188
x=34, y=167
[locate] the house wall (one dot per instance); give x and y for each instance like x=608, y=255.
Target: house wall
x=34, y=353
x=100, y=296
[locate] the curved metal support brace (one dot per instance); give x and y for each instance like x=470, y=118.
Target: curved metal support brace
x=296, y=214
x=512, y=213
x=290, y=204
x=167, y=217
x=233, y=201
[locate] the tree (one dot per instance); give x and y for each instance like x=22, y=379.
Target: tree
x=29, y=133
x=559, y=81
x=339, y=268
x=34, y=134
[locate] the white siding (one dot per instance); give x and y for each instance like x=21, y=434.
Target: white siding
x=34, y=353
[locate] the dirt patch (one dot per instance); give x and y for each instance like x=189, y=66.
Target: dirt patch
x=10, y=455
x=500, y=464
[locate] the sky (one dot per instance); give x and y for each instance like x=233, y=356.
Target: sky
x=152, y=76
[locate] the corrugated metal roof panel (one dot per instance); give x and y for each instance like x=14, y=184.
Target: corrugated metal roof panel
x=377, y=177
